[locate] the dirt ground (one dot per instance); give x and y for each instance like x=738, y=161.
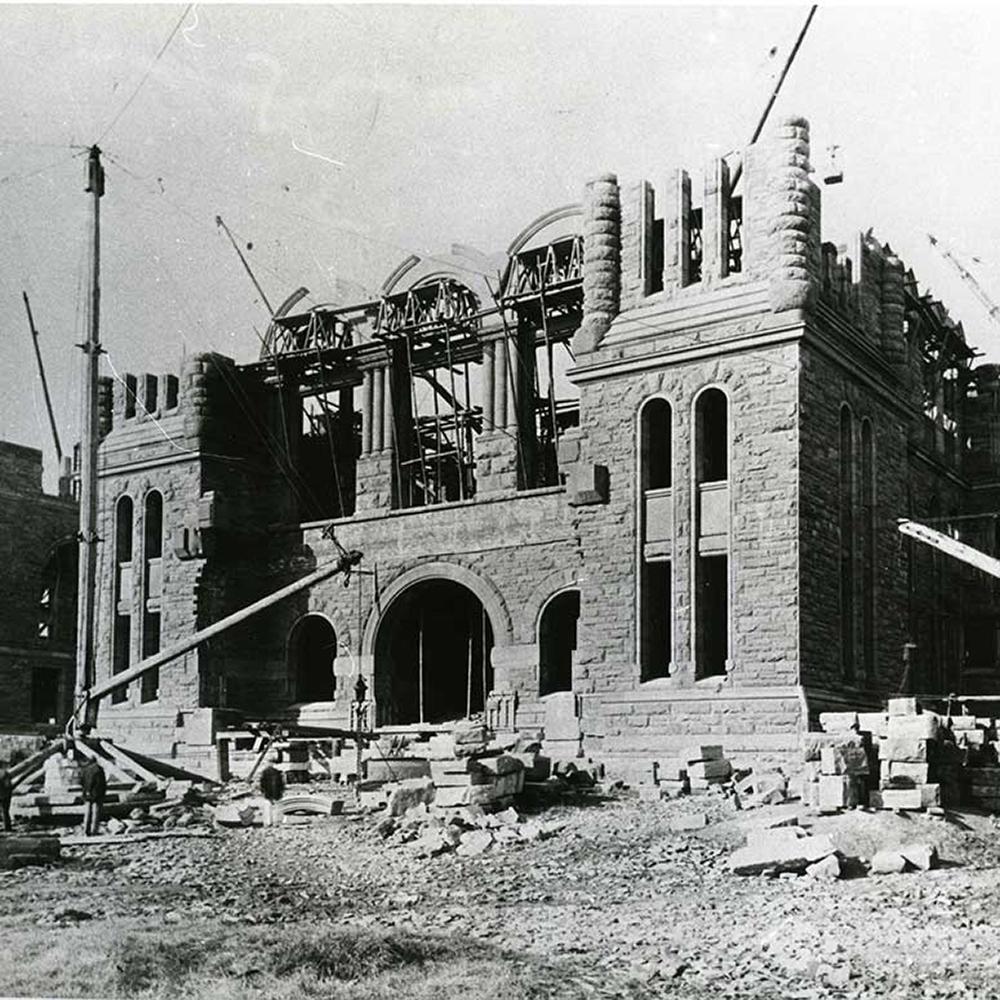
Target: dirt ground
x=616, y=904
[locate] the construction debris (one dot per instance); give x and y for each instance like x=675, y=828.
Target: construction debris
x=468, y=832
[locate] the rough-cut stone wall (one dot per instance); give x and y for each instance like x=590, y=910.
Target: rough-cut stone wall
x=827, y=383
x=763, y=559
x=32, y=526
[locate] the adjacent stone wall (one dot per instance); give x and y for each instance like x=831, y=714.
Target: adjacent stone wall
x=33, y=526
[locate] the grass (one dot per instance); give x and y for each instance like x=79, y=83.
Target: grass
x=283, y=962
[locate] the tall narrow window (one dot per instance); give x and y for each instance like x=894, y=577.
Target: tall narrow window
x=557, y=642
x=846, y=544
x=152, y=586
x=122, y=633
x=656, y=513
x=656, y=258
x=868, y=542
x=695, y=246
x=711, y=466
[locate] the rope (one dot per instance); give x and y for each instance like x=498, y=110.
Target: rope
x=152, y=66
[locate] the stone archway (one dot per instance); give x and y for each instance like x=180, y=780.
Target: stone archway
x=432, y=652
x=312, y=650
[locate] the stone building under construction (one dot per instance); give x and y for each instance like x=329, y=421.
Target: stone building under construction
x=638, y=488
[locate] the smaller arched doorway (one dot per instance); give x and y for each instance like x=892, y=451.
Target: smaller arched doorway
x=557, y=642
x=312, y=649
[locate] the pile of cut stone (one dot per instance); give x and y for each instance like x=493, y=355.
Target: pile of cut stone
x=904, y=758
x=839, y=763
x=694, y=769
x=919, y=760
x=467, y=832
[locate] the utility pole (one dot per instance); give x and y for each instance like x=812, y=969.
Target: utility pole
x=85, y=673
x=45, y=384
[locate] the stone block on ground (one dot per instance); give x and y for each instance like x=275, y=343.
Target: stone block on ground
x=876, y=723
x=474, y=842
x=838, y=722
x=828, y=868
x=847, y=758
x=922, y=856
x=917, y=751
x=903, y=706
x=701, y=751
x=781, y=855
x=902, y=798
x=926, y=726
x=887, y=863
x=688, y=821
x=813, y=743
x=404, y=795
x=710, y=770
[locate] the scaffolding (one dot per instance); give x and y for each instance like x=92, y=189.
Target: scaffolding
x=427, y=343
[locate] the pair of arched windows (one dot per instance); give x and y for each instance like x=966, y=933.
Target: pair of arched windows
x=149, y=590
x=710, y=466
x=858, y=544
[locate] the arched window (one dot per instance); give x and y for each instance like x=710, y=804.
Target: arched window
x=712, y=436
x=121, y=641
x=557, y=642
x=152, y=586
x=846, y=500
x=711, y=473
x=656, y=515
x=656, y=447
x=312, y=650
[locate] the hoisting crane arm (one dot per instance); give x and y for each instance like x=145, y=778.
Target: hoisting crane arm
x=968, y=277
x=951, y=546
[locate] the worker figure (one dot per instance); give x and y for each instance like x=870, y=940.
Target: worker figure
x=6, y=794
x=94, y=783
x=272, y=787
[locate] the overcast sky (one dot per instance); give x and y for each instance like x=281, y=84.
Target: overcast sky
x=337, y=139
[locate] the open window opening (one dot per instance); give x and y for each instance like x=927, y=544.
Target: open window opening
x=734, y=236
x=121, y=638
x=656, y=515
x=557, y=642
x=695, y=245
x=312, y=651
x=433, y=655
x=712, y=517
x=656, y=619
x=149, y=685
x=712, y=626
x=57, y=599
x=45, y=695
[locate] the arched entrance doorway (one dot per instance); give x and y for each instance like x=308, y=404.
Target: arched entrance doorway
x=557, y=642
x=432, y=655
x=312, y=648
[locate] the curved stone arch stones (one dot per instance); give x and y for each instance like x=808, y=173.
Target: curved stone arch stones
x=557, y=224
x=489, y=597
x=465, y=265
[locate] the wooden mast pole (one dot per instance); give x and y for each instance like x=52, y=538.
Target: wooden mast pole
x=85, y=672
